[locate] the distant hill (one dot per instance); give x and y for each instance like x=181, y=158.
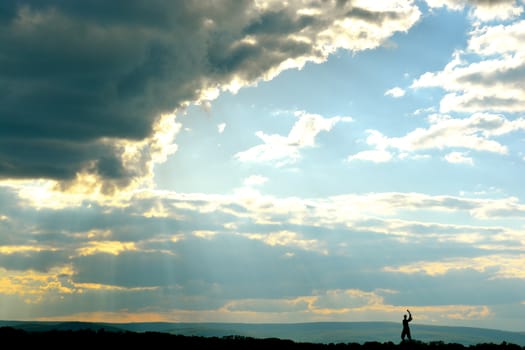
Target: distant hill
x=313, y=332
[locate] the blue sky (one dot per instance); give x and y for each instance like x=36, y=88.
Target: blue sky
x=263, y=161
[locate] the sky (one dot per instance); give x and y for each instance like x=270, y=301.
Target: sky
x=263, y=161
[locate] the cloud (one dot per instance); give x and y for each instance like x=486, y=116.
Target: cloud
x=288, y=238
x=487, y=76
x=83, y=83
x=376, y=156
x=255, y=180
x=482, y=9
x=459, y=158
x=112, y=247
x=395, y=92
x=477, y=133
x=34, y=285
x=498, y=266
x=283, y=150
x=287, y=262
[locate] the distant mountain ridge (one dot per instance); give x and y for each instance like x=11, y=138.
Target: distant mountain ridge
x=311, y=332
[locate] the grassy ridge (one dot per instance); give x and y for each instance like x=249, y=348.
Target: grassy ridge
x=320, y=332
x=101, y=338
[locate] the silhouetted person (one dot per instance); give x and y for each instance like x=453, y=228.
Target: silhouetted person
x=406, y=329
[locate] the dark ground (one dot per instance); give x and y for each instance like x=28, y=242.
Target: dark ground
x=151, y=340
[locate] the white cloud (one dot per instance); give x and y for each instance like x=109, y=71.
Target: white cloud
x=221, y=127
x=498, y=39
x=274, y=149
x=255, y=180
x=376, y=156
x=425, y=110
x=497, y=10
x=395, y=92
x=283, y=150
x=493, y=81
x=346, y=32
x=459, y=158
x=483, y=10
x=475, y=133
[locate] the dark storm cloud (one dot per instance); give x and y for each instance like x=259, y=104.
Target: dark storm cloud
x=278, y=22
x=77, y=76
x=371, y=16
x=73, y=72
x=41, y=261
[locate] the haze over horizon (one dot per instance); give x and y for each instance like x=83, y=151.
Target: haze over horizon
x=263, y=161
